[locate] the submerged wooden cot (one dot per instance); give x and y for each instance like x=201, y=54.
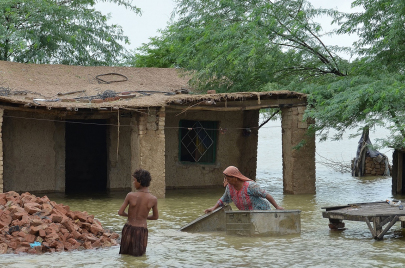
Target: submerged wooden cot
x=375, y=214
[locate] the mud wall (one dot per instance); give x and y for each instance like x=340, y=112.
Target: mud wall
x=119, y=153
x=33, y=151
x=298, y=165
x=1, y=150
x=148, y=147
x=233, y=148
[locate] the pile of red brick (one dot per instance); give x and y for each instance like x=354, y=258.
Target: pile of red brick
x=35, y=225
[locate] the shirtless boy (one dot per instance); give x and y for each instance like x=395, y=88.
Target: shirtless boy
x=134, y=238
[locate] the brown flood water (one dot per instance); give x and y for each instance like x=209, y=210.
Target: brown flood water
x=316, y=246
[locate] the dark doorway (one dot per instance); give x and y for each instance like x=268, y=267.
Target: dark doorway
x=86, y=156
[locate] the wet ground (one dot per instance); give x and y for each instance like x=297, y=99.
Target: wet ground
x=316, y=246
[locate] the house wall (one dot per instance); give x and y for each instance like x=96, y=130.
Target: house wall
x=148, y=147
x=1, y=150
x=232, y=148
x=119, y=153
x=33, y=151
x=298, y=165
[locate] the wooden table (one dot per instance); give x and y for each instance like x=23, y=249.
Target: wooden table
x=375, y=214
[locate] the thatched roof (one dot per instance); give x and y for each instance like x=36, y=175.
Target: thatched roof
x=63, y=86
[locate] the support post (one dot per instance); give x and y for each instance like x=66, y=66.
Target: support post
x=336, y=224
x=1, y=151
x=400, y=171
x=148, y=142
x=298, y=164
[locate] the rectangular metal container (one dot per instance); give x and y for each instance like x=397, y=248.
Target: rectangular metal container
x=263, y=222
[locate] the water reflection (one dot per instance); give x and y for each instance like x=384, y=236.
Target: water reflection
x=316, y=246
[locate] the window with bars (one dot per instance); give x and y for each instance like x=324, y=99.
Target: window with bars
x=198, y=140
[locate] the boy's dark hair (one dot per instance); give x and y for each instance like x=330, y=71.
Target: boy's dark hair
x=143, y=177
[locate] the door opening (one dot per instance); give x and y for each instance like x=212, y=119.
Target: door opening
x=86, y=156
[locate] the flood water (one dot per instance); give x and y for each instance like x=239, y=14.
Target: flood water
x=316, y=246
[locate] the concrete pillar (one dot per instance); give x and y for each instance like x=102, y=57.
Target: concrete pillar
x=298, y=164
x=1, y=151
x=148, y=148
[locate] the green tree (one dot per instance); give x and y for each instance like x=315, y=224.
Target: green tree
x=239, y=46
x=380, y=27
x=264, y=45
x=61, y=32
x=159, y=52
x=372, y=94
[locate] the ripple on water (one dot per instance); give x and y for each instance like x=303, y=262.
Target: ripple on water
x=316, y=246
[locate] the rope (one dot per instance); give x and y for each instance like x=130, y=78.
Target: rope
x=101, y=81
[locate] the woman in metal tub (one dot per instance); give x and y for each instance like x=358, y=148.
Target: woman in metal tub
x=243, y=192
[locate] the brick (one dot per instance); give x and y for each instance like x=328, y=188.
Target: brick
x=25, y=244
x=3, y=248
x=41, y=233
x=44, y=200
x=21, y=250
x=60, y=208
x=29, y=238
x=3, y=200
x=36, y=222
x=42, y=220
x=67, y=246
x=21, y=234
x=13, y=244
x=46, y=209
x=5, y=218
x=82, y=216
x=56, y=218
x=69, y=225
x=88, y=237
x=87, y=245
x=28, y=198
x=36, y=229
x=52, y=236
x=95, y=228
x=86, y=226
x=32, y=208
x=96, y=244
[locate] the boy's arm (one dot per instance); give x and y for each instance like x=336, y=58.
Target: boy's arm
x=122, y=212
x=155, y=213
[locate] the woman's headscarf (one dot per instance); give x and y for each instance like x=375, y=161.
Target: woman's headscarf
x=232, y=171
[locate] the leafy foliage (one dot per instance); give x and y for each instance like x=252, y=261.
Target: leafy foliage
x=241, y=46
x=262, y=45
x=159, y=52
x=360, y=102
x=381, y=28
x=56, y=31
x=371, y=95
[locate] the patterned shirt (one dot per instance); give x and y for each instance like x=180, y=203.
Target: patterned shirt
x=250, y=197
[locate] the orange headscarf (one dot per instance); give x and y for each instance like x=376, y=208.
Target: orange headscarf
x=232, y=171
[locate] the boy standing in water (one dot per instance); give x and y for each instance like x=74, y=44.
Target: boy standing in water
x=134, y=238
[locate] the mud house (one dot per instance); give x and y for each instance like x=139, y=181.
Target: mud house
x=74, y=128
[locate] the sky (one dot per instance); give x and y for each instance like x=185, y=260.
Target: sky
x=156, y=14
